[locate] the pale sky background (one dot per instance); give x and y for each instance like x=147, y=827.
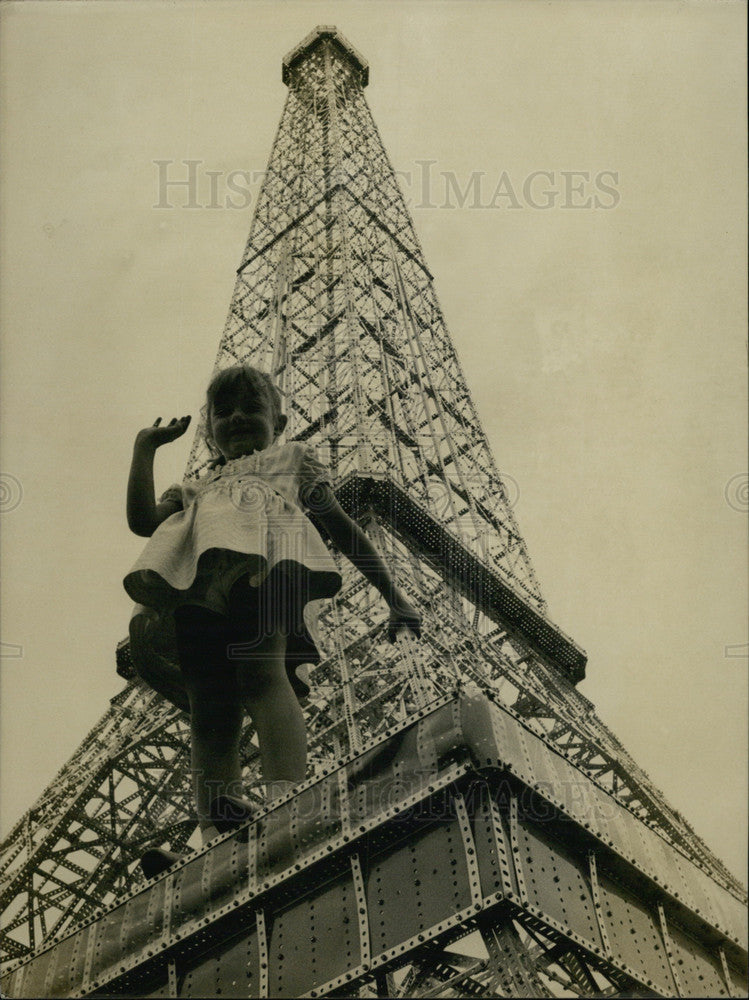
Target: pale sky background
x=605, y=349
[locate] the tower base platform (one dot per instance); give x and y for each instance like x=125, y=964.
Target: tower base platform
x=463, y=818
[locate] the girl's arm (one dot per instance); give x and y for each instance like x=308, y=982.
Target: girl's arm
x=350, y=540
x=144, y=515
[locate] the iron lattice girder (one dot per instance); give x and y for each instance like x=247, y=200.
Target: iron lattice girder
x=466, y=487
x=32, y=863
x=462, y=569
x=444, y=825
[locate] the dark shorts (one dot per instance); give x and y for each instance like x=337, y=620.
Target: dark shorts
x=221, y=643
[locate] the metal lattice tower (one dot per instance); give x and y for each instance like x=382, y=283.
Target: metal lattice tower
x=334, y=298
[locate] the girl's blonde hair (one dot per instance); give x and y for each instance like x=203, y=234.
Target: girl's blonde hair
x=231, y=379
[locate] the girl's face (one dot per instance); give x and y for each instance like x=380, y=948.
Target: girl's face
x=242, y=420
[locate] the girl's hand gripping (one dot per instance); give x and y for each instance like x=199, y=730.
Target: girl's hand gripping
x=403, y=614
x=155, y=435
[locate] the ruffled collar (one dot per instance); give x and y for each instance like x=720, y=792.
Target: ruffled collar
x=243, y=463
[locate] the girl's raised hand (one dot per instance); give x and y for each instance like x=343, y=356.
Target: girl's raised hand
x=403, y=614
x=156, y=435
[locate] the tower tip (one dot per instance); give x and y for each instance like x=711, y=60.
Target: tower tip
x=313, y=39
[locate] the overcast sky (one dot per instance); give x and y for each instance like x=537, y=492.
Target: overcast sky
x=597, y=309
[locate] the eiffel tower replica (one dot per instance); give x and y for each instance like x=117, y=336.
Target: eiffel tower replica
x=469, y=826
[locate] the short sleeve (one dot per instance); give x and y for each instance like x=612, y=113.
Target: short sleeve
x=173, y=496
x=312, y=472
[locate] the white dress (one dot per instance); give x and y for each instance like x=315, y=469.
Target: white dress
x=243, y=518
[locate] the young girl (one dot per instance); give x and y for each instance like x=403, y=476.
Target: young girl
x=229, y=588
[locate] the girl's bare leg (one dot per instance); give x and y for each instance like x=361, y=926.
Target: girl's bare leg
x=215, y=728
x=278, y=718
x=216, y=712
